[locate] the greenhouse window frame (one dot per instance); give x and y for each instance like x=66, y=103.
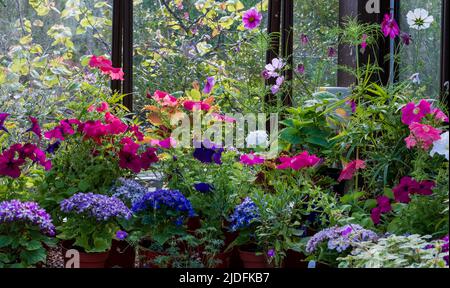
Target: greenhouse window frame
x=281, y=25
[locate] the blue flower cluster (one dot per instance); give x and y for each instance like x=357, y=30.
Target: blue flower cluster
x=101, y=207
x=244, y=215
x=27, y=212
x=130, y=191
x=340, y=238
x=170, y=199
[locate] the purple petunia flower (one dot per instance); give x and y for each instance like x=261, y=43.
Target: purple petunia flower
x=204, y=187
x=3, y=117
x=271, y=253
x=51, y=149
x=27, y=213
x=208, y=154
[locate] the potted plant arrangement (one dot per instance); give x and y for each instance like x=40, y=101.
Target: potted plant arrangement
x=159, y=219
x=90, y=226
x=25, y=231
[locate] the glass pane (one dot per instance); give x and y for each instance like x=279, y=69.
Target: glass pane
x=424, y=53
x=179, y=44
x=315, y=44
x=42, y=43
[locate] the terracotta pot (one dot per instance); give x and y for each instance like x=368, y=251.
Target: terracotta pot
x=296, y=260
x=147, y=257
x=87, y=260
x=224, y=261
x=252, y=261
x=122, y=255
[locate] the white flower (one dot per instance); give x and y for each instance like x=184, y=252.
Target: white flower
x=419, y=19
x=415, y=78
x=257, y=138
x=441, y=146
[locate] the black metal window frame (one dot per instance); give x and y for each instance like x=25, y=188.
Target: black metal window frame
x=281, y=25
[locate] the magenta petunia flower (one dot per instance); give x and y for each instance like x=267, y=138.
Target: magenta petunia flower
x=252, y=19
x=251, y=159
x=415, y=113
x=9, y=164
x=384, y=203
x=350, y=169
x=440, y=115
x=403, y=190
x=35, y=128
x=389, y=27
x=376, y=215
x=424, y=188
x=196, y=105
x=209, y=86
x=165, y=144
x=303, y=160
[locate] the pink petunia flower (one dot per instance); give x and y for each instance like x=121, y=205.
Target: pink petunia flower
x=251, y=159
x=389, y=27
x=165, y=144
x=423, y=135
x=415, y=113
x=252, y=19
x=350, y=169
x=116, y=74
x=303, y=160
x=196, y=105
x=165, y=99
x=223, y=118
x=440, y=115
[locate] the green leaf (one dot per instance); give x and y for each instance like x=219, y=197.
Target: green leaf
x=291, y=135
x=33, y=245
x=5, y=241
x=34, y=256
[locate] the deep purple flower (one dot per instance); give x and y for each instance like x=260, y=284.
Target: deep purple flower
x=384, y=203
x=208, y=155
x=204, y=187
x=271, y=253
x=100, y=207
x=265, y=74
x=210, y=82
x=51, y=149
x=331, y=52
x=352, y=104
x=27, y=213
x=304, y=39
x=3, y=117
x=35, y=128
x=300, y=69
x=121, y=235
x=406, y=38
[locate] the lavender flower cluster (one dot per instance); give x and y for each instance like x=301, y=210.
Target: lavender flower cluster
x=27, y=212
x=244, y=215
x=101, y=207
x=171, y=199
x=340, y=238
x=129, y=191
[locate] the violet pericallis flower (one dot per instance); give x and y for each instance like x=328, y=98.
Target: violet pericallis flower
x=129, y=191
x=244, y=215
x=100, y=207
x=340, y=238
x=15, y=211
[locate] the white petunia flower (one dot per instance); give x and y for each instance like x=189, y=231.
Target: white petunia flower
x=441, y=146
x=257, y=138
x=419, y=19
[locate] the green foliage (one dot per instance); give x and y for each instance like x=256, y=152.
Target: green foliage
x=22, y=246
x=396, y=252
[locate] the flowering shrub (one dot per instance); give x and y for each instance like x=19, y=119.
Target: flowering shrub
x=24, y=228
x=92, y=220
